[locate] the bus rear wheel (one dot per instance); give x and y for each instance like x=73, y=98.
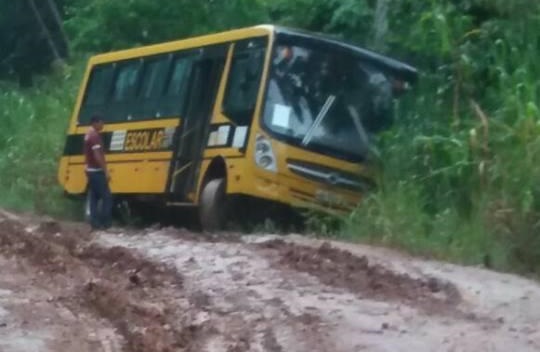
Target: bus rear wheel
x=212, y=209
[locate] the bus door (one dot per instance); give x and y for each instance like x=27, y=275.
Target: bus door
x=190, y=141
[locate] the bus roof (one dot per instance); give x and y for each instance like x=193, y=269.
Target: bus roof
x=400, y=69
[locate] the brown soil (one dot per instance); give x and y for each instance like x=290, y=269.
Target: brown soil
x=339, y=268
x=63, y=288
x=112, y=283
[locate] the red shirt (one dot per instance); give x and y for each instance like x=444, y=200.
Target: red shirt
x=92, y=142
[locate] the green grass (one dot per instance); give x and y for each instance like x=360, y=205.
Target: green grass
x=396, y=217
x=31, y=140
x=444, y=196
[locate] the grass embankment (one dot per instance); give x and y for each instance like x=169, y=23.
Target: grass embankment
x=34, y=123
x=468, y=192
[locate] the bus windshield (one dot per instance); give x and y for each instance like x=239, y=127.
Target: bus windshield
x=325, y=101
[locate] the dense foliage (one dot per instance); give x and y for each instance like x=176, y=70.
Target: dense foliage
x=461, y=164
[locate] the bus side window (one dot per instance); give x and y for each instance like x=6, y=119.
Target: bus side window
x=174, y=96
x=122, y=105
x=97, y=89
x=244, y=80
x=125, y=84
x=152, y=86
x=154, y=78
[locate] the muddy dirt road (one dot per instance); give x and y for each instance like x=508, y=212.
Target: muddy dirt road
x=64, y=289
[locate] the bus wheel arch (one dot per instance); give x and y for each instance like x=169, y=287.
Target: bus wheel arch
x=216, y=170
x=213, y=199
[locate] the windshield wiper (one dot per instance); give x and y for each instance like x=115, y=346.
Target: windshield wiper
x=324, y=110
x=364, y=139
x=358, y=125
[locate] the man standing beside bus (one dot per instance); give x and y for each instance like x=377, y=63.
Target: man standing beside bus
x=98, y=176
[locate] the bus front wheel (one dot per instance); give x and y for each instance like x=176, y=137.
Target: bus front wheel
x=212, y=207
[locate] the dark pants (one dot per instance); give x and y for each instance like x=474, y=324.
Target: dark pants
x=98, y=187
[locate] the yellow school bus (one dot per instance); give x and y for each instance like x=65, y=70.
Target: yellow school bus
x=264, y=112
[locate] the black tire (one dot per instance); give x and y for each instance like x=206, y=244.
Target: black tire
x=123, y=211
x=212, y=208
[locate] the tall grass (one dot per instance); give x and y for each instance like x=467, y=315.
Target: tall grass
x=462, y=168
x=34, y=123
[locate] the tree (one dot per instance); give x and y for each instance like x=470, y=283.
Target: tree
x=31, y=37
x=102, y=25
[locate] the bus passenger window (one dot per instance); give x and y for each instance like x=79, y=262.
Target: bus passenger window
x=97, y=92
x=126, y=81
x=173, y=102
x=99, y=85
x=243, y=83
x=153, y=78
x=179, y=77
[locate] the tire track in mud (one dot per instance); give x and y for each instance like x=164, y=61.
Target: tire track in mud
x=264, y=283
x=145, y=301
x=339, y=268
x=252, y=294
x=140, y=298
x=242, y=296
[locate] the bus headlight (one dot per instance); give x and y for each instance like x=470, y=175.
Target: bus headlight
x=264, y=155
